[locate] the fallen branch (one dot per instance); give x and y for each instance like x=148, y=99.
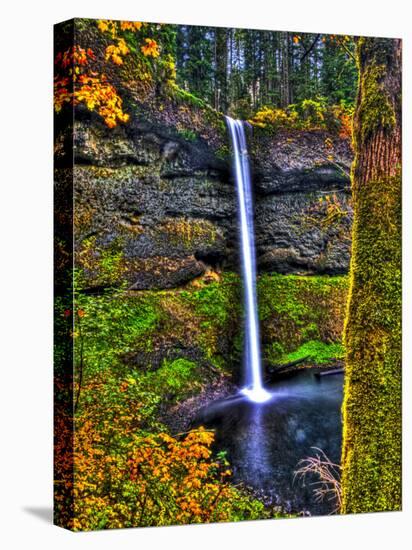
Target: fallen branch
x=277, y=369
x=331, y=371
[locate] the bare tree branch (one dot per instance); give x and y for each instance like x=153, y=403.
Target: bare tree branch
x=307, y=52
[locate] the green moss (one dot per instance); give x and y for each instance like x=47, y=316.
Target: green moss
x=189, y=233
x=217, y=305
x=310, y=331
x=376, y=109
x=214, y=301
x=187, y=134
x=372, y=453
x=114, y=324
x=206, y=317
x=273, y=352
x=297, y=310
x=316, y=352
x=223, y=153
x=203, y=317
x=211, y=117
x=100, y=265
x=183, y=96
x=290, y=294
x=372, y=406
x=175, y=380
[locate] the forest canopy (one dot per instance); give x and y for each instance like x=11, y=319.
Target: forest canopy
x=275, y=79
x=241, y=70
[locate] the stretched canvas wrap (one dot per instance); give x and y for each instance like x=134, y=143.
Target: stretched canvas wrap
x=227, y=274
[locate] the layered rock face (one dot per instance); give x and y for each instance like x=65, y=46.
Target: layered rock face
x=155, y=210
x=160, y=210
x=303, y=212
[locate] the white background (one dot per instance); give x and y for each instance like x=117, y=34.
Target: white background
x=26, y=272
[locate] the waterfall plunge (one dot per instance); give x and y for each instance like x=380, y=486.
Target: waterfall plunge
x=254, y=388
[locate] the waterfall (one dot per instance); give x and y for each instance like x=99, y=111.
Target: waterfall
x=254, y=388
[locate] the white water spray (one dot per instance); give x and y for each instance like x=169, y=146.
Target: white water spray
x=254, y=388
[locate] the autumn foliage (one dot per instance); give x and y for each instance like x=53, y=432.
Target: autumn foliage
x=76, y=83
x=119, y=466
x=310, y=114
x=159, y=480
x=116, y=51
x=125, y=478
x=183, y=475
x=149, y=46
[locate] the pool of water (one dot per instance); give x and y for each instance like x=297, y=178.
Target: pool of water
x=265, y=442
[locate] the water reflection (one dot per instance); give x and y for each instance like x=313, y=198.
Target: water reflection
x=253, y=452
x=265, y=441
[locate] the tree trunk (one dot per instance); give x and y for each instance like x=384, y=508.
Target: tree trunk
x=221, y=59
x=371, y=454
x=285, y=81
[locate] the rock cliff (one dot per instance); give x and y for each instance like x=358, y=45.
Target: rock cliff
x=156, y=209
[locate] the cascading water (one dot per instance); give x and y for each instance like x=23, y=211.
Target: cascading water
x=254, y=388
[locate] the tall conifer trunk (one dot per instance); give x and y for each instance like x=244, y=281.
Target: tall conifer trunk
x=371, y=454
x=221, y=60
x=285, y=81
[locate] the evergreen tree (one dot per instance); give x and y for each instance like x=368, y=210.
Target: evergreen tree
x=241, y=70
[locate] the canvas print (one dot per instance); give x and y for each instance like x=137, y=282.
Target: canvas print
x=227, y=274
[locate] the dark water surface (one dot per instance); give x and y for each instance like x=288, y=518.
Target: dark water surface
x=264, y=442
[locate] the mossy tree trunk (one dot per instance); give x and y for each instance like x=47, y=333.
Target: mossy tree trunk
x=371, y=455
